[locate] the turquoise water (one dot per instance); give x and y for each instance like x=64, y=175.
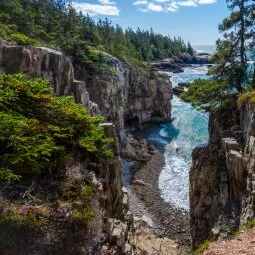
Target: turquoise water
x=188, y=130
x=191, y=126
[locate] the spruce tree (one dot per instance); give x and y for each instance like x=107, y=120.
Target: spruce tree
x=231, y=55
x=190, y=49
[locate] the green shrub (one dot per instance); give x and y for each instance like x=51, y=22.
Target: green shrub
x=204, y=91
x=80, y=195
x=82, y=209
x=248, y=96
x=37, y=128
x=83, y=215
x=22, y=39
x=71, y=189
x=6, y=31
x=17, y=226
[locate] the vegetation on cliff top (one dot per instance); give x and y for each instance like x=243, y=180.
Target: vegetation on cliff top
x=37, y=128
x=39, y=134
x=55, y=23
x=248, y=96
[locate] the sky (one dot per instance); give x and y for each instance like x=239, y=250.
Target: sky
x=193, y=20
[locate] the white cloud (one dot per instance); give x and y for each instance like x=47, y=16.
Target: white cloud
x=162, y=1
x=140, y=2
x=107, y=2
x=155, y=7
x=207, y=1
x=170, y=5
x=97, y=9
x=189, y=3
x=143, y=10
x=173, y=7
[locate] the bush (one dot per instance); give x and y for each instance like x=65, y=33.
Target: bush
x=22, y=39
x=19, y=227
x=81, y=196
x=204, y=91
x=37, y=128
x=6, y=31
x=248, y=96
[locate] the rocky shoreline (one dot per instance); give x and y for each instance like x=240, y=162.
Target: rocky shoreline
x=144, y=199
x=177, y=64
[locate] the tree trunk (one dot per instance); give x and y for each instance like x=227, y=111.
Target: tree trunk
x=242, y=34
x=253, y=78
x=242, y=47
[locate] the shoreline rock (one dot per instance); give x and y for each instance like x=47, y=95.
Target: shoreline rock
x=176, y=64
x=178, y=90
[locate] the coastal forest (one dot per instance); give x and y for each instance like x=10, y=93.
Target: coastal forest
x=56, y=24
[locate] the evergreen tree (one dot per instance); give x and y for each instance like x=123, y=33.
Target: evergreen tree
x=231, y=55
x=190, y=49
x=56, y=24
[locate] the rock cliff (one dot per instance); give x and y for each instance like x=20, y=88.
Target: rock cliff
x=124, y=96
x=127, y=96
x=222, y=176
x=49, y=64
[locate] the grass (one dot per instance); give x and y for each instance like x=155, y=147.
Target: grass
x=202, y=247
x=200, y=250
x=244, y=228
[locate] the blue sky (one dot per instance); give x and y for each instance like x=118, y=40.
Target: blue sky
x=194, y=20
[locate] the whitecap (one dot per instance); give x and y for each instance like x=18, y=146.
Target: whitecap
x=190, y=129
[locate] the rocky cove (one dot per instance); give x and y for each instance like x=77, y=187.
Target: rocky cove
x=140, y=218
x=126, y=97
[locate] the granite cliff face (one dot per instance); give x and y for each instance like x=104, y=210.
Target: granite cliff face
x=222, y=177
x=127, y=96
x=49, y=64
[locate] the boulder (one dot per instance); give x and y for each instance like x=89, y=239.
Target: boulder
x=178, y=90
x=184, y=84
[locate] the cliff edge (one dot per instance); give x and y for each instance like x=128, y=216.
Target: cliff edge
x=222, y=175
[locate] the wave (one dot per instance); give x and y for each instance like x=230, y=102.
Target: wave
x=188, y=130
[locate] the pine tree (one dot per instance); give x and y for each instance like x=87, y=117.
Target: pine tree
x=231, y=55
x=190, y=49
